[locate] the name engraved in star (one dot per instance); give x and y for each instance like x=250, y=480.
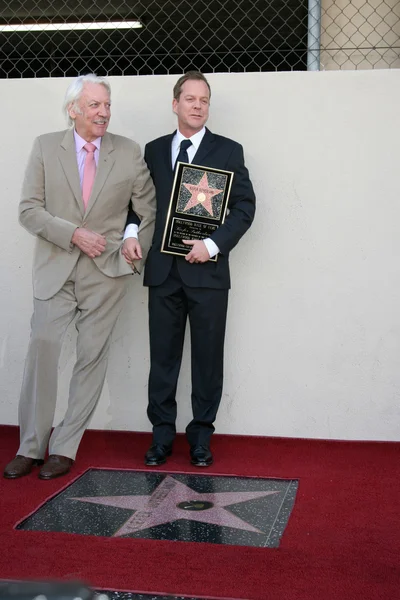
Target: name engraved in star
x=141, y=517
x=203, y=191
x=161, y=492
x=137, y=521
x=198, y=206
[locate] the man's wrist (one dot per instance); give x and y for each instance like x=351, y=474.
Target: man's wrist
x=211, y=246
x=74, y=236
x=131, y=231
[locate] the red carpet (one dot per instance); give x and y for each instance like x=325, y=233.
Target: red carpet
x=342, y=540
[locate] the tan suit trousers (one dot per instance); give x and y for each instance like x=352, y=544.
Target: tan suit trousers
x=96, y=300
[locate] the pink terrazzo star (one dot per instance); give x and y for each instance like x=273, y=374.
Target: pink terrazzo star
x=162, y=506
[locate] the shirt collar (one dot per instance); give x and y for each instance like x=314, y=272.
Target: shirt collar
x=80, y=142
x=195, y=139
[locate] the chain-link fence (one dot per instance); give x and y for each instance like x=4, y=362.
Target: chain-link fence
x=57, y=38
x=360, y=34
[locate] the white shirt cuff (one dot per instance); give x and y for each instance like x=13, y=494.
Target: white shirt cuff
x=131, y=231
x=211, y=247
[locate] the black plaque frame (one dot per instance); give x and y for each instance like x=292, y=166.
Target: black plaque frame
x=195, y=222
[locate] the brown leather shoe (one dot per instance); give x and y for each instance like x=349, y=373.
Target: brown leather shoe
x=55, y=466
x=20, y=466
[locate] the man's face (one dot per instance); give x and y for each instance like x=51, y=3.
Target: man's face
x=93, y=113
x=192, y=106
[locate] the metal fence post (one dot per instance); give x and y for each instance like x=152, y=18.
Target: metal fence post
x=314, y=35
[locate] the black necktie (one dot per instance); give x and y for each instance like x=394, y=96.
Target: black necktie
x=183, y=155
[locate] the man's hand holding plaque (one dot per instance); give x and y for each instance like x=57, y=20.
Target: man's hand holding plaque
x=198, y=251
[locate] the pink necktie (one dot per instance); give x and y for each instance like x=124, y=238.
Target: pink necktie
x=89, y=172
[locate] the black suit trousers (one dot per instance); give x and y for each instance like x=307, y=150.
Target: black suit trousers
x=170, y=305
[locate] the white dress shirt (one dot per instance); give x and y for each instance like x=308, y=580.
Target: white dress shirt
x=196, y=140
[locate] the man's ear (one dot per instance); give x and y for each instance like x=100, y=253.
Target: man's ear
x=72, y=111
x=174, y=105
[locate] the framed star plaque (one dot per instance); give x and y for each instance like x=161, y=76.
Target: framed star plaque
x=197, y=207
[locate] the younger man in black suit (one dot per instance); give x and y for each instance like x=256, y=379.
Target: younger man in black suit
x=191, y=286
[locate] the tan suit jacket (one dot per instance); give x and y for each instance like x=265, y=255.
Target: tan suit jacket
x=51, y=206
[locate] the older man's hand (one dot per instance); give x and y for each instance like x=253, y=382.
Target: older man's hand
x=91, y=243
x=131, y=250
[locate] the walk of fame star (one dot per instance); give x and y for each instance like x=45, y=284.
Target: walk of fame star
x=172, y=500
x=177, y=507
x=201, y=194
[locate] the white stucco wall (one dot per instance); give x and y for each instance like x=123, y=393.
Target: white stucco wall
x=313, y=341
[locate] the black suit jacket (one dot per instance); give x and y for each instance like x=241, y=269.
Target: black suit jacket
x=219, y=153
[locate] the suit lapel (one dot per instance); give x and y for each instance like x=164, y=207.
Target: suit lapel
x=104, y=167
x=67, y=156
x=207, y=144
x=166, y=153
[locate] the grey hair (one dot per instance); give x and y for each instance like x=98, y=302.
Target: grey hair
x=74, y=92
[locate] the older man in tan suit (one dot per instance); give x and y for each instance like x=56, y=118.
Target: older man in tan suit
x=78, y=186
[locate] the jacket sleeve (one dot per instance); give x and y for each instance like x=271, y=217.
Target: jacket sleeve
x=132, y=217
x=32, y=207
x=143, y=202
x=241, y=204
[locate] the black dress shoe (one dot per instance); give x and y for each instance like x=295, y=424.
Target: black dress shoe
x=20, y=466
x=201, y=456
x=157, y=455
